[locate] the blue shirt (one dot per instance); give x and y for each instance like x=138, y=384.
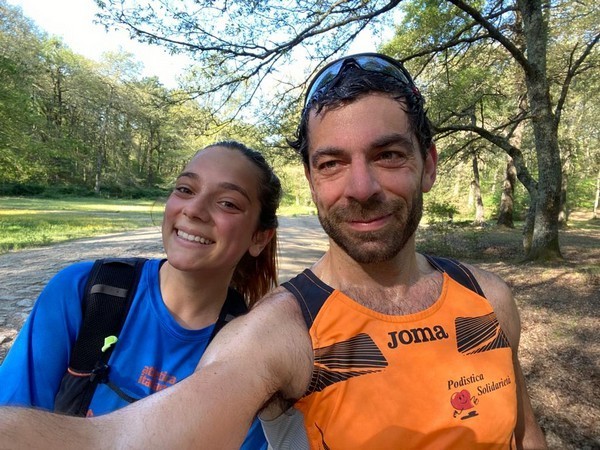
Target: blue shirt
x=153, y=351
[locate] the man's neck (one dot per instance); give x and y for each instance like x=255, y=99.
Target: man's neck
x=337, y=268
x=403, y=285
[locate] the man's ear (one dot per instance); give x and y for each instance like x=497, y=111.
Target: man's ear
x=429, y=169
x=260, y=241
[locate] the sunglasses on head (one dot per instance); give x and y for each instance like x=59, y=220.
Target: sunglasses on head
x=369, y=62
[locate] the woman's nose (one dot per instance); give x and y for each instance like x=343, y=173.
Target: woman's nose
x=197, y=208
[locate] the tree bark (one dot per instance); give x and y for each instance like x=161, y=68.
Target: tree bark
x=545, y=242
x=505, y=215
x=476, y=189
x=597, y=201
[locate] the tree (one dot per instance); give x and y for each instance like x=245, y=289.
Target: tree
x=517, y=34
x=505, y=214
x=76, y=125
x=239, y=43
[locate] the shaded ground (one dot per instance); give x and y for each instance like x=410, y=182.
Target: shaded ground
x=560, y=316
x=559, y=304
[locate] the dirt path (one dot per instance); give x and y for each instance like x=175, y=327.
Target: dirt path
x=24, y=274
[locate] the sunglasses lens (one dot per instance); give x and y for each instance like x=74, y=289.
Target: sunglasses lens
x=323, y=78
x=369, y=63
x=382, y=66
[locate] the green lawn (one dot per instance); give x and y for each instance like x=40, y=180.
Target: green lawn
x=33, y=222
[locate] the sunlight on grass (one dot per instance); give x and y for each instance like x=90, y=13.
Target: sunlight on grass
x=294, y=210
x=34, y=222
x=28, y=223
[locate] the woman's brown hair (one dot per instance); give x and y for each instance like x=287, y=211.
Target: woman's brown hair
x=255, y=276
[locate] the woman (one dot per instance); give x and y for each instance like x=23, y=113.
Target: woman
x=219, y=230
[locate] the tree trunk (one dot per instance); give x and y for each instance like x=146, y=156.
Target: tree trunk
x=597, y=201
x=505, y=215
x=563, y=213
x=476, y=189
x=544, y=243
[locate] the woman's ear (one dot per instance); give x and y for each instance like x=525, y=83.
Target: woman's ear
x=260, y=241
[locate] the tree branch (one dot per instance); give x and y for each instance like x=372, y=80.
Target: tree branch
x=515, y=153
x=494, y=34
x=571, y=73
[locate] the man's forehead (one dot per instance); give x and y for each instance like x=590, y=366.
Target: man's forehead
x=377, y=120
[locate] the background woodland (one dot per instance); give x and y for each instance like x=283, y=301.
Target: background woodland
x=512, y=88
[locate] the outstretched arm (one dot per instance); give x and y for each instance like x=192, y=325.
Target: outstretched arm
x=528, y=433
x=266, y=352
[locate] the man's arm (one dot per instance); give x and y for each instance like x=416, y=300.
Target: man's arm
x=265, y=352
x=528, y=433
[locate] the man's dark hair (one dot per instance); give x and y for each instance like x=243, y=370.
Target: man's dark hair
x=354, y=84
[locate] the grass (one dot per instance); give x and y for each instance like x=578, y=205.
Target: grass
x=34, y=222
x=296, y=210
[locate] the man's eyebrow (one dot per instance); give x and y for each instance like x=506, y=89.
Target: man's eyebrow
x=396, y=138
x=326, y=151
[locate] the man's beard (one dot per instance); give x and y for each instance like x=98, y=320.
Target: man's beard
x=373, y=246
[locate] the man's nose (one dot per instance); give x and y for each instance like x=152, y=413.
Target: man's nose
x=363, y=182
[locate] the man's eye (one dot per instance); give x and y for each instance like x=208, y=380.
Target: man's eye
x=390, y=155
x=229, y=205
x=328, y=165
x=391, y=158
x=183, y=190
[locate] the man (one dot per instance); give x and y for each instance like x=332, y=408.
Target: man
x=402, y=350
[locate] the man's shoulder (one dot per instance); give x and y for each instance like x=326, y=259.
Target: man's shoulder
x=279, y=299
x=491, y=283
x=500, y=297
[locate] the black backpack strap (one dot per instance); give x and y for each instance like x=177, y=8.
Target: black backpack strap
x=457, y=271
x=107, y=298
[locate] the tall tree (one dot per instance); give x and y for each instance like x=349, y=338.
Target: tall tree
x=252, y=39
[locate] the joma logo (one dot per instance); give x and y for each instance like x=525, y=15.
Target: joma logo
x=416, y=336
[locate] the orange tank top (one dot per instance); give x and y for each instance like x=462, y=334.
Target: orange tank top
x=439, y=379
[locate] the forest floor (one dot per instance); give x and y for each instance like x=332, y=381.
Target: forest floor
x=559, y=305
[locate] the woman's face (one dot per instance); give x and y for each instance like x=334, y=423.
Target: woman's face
x=211, y=217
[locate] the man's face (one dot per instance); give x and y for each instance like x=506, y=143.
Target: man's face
x=367, y=177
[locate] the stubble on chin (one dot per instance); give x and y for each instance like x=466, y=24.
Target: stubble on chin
x=378, y=246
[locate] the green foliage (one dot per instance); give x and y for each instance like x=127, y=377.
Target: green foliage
x=437, y=212
x=71, y=125
x=295, y=187
x=69, y=190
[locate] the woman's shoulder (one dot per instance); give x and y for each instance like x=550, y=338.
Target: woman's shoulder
x=73, y=273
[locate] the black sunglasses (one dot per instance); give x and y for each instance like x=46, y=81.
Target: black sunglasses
x=369, y=62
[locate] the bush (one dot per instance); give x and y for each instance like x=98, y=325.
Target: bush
x=21, y=189
x=440, y=211
x=58, y=191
